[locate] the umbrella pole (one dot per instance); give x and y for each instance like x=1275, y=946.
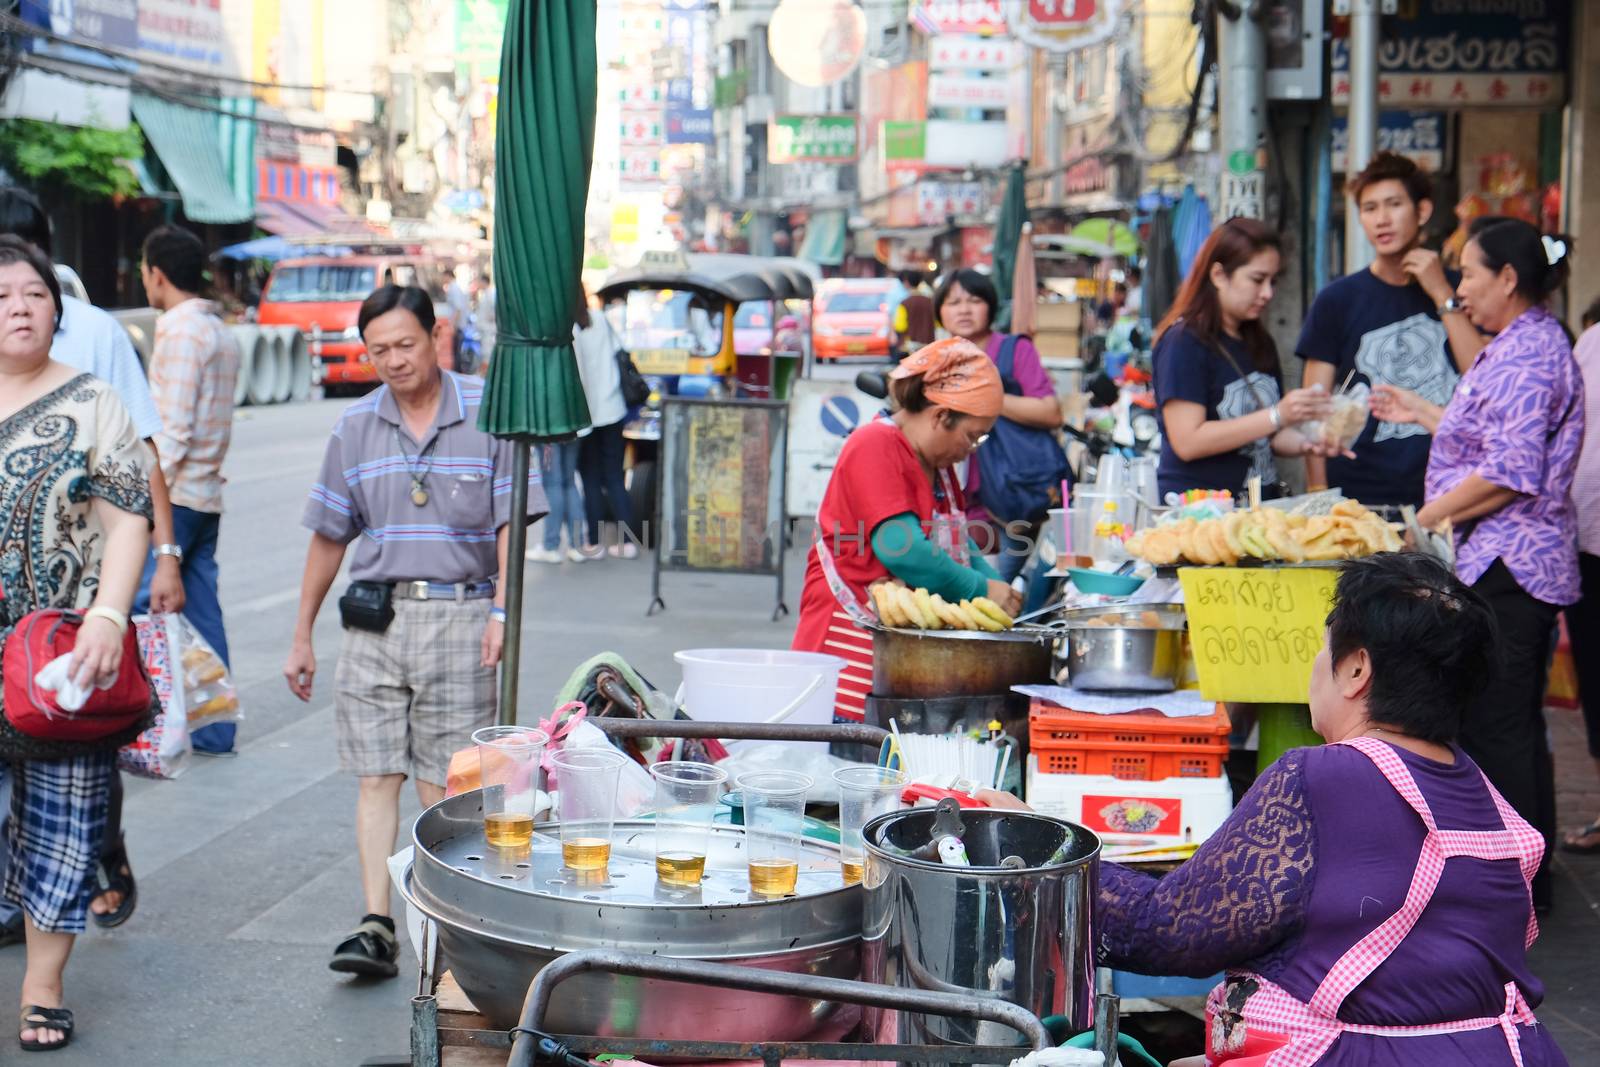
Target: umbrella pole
x=516, y=567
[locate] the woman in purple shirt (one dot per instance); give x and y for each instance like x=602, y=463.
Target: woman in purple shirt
x=1369, y=899
x=1501, y=471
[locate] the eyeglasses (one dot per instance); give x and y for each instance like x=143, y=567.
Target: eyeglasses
x=973, y=443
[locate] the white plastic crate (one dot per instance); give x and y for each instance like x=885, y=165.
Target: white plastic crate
x=1172, y=811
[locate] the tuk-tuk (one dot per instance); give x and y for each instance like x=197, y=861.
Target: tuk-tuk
x=675, y=314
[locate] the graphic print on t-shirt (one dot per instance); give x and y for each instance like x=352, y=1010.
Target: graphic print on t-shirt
x=1406, y=354
x=1241, y=397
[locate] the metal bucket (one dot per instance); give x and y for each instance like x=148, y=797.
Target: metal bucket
x=1020, y=935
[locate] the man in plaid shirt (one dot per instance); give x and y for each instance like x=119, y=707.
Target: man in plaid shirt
x=193, y=367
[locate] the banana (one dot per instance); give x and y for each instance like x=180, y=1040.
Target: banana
x=979, y=620
x=930, y=618
x=906, y=601
x=948, y=613
x=888, y=606
x=879, y=603
x=1253, y=537
x=993, y=610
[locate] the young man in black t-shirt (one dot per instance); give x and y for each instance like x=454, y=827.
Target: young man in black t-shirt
x=1394, y=324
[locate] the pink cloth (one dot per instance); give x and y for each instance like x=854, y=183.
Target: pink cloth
x=1586, y=484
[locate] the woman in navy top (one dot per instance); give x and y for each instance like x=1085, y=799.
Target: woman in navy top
x=1219, y=392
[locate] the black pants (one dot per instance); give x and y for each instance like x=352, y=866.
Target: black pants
x=1583, y=626
x=604, y=488
x=1504, y=730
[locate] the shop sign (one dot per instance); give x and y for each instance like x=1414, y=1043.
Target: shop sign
x=968, y=52
x=966, y=144
x=114, y=23
x=624, y=224
x=967, y=91
x=937, y=201
x=1455, y=54
x=1064, y=25
x=977, y=246
x=904, y=142
x=1255, y=631
x=689, y=125
x=935, y=17
x=1417, y=135
x=812, y=139
x=185, y=32
x=480, y=30
x=640, y=167
x=817, y=42
x=641, y=128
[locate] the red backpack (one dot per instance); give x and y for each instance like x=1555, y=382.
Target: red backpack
x=41, y=636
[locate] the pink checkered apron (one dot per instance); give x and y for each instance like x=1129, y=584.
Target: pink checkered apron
x=1280, y=1030
x=849, y=636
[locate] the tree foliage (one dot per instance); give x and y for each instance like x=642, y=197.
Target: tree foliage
x=88, y=163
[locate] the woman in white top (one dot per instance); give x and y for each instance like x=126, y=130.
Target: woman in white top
x=600, y=453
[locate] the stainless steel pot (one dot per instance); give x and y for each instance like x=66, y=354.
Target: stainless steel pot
x=958, y=663
x=1020, y=935
x=1143, y=652
x=501, y=918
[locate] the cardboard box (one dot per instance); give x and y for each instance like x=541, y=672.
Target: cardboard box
x=1058, y=315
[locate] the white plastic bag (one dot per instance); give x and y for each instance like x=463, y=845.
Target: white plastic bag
x=162, y=750
x=636, y=789
x=209, y=695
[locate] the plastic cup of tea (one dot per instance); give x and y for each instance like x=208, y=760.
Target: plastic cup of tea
x=586, y=802
x=686, y=805
x=864, y=794
x=774, y=823
x=508, y=767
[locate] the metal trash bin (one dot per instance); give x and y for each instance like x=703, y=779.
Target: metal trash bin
x=1021, y=935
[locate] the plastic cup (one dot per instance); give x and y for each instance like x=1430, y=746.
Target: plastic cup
x=864, y=794
x=586, y=791
x=686, y=805
x=774, y=822
x=508, y=767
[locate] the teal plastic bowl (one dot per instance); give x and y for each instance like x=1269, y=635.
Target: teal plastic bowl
x=1103, y=584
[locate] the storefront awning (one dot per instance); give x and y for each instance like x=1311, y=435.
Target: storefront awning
x=185, y=140
x=293, y=218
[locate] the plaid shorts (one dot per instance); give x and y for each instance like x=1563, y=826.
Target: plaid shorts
x=58, y=819
x=406, y=699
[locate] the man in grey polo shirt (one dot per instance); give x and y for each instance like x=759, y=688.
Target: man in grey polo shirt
x=426, y=496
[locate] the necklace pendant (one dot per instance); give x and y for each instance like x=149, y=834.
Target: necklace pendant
x=419, y=495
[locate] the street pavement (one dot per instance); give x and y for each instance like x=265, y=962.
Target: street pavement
x=246, y=866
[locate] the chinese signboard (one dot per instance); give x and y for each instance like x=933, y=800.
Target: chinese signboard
x=992, y=54
x=1417, y=135
x=1441, y=57
x=963, y=91
x=1064, y=25
x=186, y=32
x=812, y=139
x=960, y=16
x=937, y=201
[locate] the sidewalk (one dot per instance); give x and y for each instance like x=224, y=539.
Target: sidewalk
x=1565, y=955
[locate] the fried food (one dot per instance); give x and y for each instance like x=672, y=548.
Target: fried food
x=979, y=620
x=917, y=609
x=993, y=610
x=1348, y=531
x=930, y=618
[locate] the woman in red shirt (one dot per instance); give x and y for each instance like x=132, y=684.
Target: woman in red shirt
x=894, y=509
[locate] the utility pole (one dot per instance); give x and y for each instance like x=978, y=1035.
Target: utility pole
x=1243, y=85
x=1055, y=127
x=1363, y=117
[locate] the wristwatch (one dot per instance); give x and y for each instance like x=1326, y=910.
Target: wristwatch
x=1451, y=305
x=175, y=551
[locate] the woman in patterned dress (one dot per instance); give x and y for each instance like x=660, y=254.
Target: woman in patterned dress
x=74, y=529
x=1501, y=470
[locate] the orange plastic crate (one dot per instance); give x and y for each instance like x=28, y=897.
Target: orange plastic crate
x=1140, y=745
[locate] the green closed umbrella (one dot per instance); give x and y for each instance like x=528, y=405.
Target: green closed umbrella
x=544, y=145
x=1007, y=231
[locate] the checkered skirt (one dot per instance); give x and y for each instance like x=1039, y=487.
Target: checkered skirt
x=58, y=820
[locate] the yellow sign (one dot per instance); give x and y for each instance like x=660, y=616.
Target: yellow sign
x=661, y=360
x=624, y=224
x=1255, y=631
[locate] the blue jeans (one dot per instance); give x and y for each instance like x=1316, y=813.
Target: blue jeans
x=196, y=534
x=559, y=463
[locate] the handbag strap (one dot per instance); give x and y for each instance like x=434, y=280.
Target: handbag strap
x=1248, y=379
x=1006, y=364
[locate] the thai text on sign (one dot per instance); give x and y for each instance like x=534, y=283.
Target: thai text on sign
x=1255, y=631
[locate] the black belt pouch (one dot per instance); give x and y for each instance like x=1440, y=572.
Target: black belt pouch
x=367, y=606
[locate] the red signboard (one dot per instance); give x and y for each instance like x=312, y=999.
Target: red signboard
x=1159, y=816
x=1060, y=12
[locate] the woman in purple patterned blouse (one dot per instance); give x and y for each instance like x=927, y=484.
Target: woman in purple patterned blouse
x=1369, y=899
x=1501, y=471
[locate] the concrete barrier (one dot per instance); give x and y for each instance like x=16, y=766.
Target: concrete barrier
x=252, y=349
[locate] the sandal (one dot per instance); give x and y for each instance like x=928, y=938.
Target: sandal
x=115, y=877
x=370, y=950
x=36, y=1019
x=1592, y=830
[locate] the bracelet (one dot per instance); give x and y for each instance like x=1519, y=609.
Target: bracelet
x=497, y=614
x=111, y=615
x=175, y=551
x=1316, y=488
x=1276, y=416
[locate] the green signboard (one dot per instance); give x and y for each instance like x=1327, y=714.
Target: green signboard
x=905, y=142
x=480, y=28
x=812, y=139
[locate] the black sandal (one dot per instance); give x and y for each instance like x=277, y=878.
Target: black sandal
x=115, y=877
x=371, y=950
x=34, y=1018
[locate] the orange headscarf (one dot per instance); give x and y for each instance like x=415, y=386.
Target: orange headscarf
x=956, y=374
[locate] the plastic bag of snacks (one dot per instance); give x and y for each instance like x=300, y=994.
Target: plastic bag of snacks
x=163, y=749
x=1345, y=421
x=209, y=695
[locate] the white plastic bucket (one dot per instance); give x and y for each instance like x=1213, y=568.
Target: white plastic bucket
x=759, y=685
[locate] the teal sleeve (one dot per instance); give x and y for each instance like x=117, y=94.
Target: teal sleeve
x=980, y=563
x=901, y=546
